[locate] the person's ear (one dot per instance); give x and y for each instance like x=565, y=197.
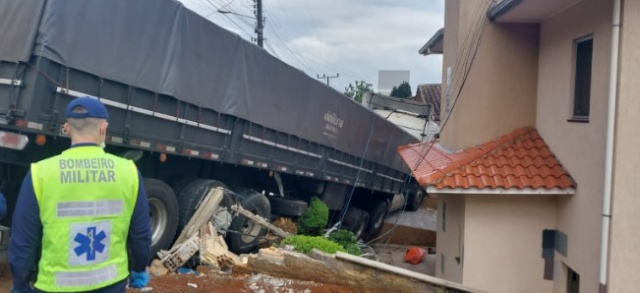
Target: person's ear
x=103, y=129
x=65, y=127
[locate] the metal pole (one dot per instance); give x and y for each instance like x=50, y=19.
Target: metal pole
x=260, y=23
x=324, y=76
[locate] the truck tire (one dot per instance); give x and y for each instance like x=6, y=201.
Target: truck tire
x=180, y=184
x=245, y=234
x=378, y=213
x=356, y=221
x=288, y=207
x=415, y=199
x=193, y=193
x=164, y=215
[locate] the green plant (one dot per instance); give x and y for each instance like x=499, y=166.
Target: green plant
x=347, y=240
x=314, y=219
x=304, y=243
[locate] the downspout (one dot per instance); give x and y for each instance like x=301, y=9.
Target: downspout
x=608, y=168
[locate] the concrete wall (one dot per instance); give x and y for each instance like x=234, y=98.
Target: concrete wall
x=448, y=242
x=499, y=94
x=625, y=222
x=579, y=146
x=504, y=237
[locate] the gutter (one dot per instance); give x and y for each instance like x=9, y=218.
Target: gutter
x=501, y=8
x=608, y=168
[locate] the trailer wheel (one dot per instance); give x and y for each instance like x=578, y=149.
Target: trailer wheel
x=415, y=199
x=245, y=234
x=193, y=193
x=164, y=217
x=378, y=214
x=356, y=221
x=288, y=207
x=180, y=184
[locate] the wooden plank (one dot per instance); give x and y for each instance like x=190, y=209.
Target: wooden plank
x=404, y=272
x=260, y=220
x=202, y=215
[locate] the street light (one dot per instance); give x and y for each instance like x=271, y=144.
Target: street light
x=259, y=21
x=234, y=13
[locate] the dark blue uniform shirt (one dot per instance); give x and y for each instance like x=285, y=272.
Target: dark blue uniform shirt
x=26, y=236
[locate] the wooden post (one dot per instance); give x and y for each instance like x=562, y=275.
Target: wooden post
x=202, y=215
x=260, y=220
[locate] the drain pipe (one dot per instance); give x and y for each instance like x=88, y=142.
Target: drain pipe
x=608, y=168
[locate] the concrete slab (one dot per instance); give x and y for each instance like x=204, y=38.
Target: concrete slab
x=394, y=255
x=423, y=218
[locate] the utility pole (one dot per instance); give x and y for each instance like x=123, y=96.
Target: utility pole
x=324, y=76
x=260, y=23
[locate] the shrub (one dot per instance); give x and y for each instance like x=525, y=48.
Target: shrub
x=314, y=219
x=347, y=240
x=304, y=244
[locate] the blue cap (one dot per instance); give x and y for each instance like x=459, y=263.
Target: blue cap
x=95, y=108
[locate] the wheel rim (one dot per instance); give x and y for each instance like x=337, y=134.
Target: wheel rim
x=418, y=198
x=361, y=226
x=250, y=230
x=159, y=218
x=380, y=218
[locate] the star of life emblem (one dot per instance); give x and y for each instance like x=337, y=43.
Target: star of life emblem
x=89, y=243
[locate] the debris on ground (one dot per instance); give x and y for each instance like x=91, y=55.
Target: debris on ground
x=414, y=255
x=276, y=269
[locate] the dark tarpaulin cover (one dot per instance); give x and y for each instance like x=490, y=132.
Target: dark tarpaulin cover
x=18, y=28
x=161, y=46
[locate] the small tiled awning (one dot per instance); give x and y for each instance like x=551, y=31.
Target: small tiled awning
x=519, y=162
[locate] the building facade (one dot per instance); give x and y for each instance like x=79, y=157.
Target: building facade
x=557, y=78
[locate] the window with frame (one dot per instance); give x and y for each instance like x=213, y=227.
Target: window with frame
x=583, y=58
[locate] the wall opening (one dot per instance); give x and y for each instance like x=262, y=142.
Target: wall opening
x=583, y=55
x=573, y=281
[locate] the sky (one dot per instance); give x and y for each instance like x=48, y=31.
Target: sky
x=353, y=39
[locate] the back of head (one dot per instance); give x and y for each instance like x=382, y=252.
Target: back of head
x=86, y=120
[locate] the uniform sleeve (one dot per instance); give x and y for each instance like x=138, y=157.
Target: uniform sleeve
x=26, y=236
x=3, y=206
x=139, y=240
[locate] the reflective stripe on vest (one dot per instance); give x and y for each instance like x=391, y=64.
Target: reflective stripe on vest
x=90, y=208
x=84, y=278
x=86, y=198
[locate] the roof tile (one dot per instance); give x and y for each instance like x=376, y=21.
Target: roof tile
x=520, y=159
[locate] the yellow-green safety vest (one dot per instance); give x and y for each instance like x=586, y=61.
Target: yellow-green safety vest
x=86, y=199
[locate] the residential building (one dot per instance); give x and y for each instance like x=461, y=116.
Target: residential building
x=429, y=94
x=535, y=169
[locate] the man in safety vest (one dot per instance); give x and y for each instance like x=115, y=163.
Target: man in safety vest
x=79, y=213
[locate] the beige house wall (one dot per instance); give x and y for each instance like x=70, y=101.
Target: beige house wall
x=625, y=218
x=499, y=94
x=449, y=242
x=579, y=146
x=504, y=242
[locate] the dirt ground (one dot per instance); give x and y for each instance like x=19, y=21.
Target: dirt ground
x=213, y=281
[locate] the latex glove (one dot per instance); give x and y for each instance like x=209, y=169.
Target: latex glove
x=138, y=279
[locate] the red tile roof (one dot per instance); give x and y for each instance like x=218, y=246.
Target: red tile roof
x=520, y=160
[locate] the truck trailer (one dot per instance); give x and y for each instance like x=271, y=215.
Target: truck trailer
x=196, y=107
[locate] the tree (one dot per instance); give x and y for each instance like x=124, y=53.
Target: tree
x=402, y=91
x=357, y=92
